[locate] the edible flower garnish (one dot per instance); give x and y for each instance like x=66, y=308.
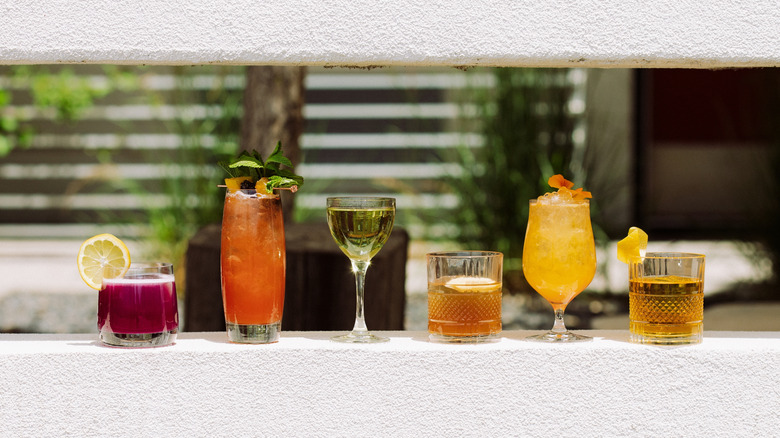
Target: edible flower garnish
x=564, y=186
x=249, y=170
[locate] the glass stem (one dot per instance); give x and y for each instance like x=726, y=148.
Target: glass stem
x=559, y=327
x=359, y=267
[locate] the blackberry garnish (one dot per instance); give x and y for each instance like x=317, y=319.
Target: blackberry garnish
x=247, y=184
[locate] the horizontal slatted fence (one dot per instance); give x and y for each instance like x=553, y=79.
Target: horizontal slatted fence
x=378, y=132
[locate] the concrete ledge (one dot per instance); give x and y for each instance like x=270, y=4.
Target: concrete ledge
x=558, y=33
x=57, y=385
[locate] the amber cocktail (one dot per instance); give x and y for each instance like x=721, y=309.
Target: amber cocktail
x=464, y=296
x=666, y=298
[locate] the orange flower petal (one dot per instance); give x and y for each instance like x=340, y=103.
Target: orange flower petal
x=558, y=181
x=579, y=194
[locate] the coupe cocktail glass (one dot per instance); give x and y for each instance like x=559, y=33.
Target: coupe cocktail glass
x=139, y=308
x=253, y=266
x=559, y=256
x=360, y=226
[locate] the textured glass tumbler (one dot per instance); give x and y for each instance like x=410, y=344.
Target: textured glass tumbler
x=666, y=298
x=464, y=296
x=139, y=308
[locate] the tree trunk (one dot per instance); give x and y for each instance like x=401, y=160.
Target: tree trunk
x=273, y=111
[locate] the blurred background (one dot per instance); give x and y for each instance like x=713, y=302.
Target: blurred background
x=690, y=156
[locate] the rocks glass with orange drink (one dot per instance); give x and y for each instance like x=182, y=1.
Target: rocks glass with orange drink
x=559, y=254
x=253, y=248
x=464, y=296
x=666, y=292
x=666, y=298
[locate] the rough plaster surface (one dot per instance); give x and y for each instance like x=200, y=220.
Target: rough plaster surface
x=305, y=385
x=585, y=33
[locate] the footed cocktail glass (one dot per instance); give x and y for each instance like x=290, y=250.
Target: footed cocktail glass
x=253, y=266
x=360, y=226
x=559, y=256
x=139, y=308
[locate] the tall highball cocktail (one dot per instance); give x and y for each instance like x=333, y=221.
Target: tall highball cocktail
x=253, y=259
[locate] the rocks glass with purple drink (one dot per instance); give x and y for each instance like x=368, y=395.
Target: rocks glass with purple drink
x=139, y=308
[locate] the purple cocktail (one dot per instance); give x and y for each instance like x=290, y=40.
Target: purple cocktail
x=139, y=309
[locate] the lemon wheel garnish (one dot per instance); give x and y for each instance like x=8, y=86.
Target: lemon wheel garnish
x=634, y=245
x=99, y=252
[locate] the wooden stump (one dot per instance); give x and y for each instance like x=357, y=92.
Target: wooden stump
x=320, y=286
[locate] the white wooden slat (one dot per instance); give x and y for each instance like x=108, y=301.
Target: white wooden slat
x=379, y=170
x=312, y=141
x=422, y=201
x=115, y=141
x=437, y=140
x=146, y=171
x=60, y=231
x=114, y=201
x=155, y=81
x=134, y=113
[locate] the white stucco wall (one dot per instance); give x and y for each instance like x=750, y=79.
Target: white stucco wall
x=563, y=33
x=305, y=385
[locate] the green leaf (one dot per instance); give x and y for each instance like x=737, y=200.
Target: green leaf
x=279, y=158
x=280, y=181
x=8, y=124
x=247, y=163
x=224, y=165
x=5, y=146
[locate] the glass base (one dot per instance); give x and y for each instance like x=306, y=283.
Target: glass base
x=566, y=336
x=666, y=334
x=254, y=333
x=359, y=338
x=138, y=340
x=476, y=339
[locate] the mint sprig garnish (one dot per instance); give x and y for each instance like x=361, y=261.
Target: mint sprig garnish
x=251, y=164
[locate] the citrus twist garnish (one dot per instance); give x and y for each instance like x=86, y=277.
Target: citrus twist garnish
x=634, y=245
x=472, y=284
x=564, y=186
x=234, y=184
x=99, y=252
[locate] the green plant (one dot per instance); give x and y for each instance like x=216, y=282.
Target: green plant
x=527, y=134
x=189, y=186
x=60, y=89
x=12, y=132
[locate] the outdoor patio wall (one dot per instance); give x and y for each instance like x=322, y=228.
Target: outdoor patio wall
x=306, y=385
x=560, y=33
